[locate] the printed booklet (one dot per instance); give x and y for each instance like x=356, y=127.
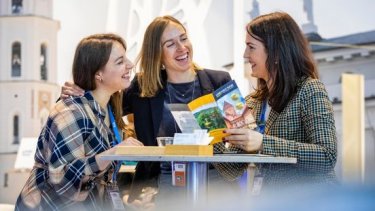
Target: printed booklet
x=224, y=108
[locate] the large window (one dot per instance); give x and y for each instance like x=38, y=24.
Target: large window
x=16, y=59
x=43, y=62
x=16, y=6
x=16, y=131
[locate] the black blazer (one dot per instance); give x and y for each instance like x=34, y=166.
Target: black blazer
x=148, y=115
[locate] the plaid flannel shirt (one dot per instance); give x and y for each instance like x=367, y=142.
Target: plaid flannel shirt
x=65, y=164
x=305, y=130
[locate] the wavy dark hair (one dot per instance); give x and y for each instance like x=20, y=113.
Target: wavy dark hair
x=92, y=54
x=289, y=57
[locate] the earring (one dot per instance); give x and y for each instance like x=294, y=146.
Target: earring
x=162, y=67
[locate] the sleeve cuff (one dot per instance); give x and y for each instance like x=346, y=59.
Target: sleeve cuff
x=267, y=145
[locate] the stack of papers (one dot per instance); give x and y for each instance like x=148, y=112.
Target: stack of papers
x=199, y=137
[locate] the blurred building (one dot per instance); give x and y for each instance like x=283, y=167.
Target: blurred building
x=354, y=53
x=28, y=75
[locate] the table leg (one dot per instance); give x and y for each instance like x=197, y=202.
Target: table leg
x=251, y=169
x=197, y=182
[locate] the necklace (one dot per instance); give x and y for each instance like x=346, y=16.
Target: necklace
x=180, y=97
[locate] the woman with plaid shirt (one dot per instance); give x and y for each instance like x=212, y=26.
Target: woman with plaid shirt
x=292, y=110
x=68, y=172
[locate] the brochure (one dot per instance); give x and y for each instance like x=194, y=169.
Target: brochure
x=184, y=118
x=232, y=106
x=224, y=108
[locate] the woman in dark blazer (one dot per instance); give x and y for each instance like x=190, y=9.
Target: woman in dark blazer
x=167, y=75
x=148, y=113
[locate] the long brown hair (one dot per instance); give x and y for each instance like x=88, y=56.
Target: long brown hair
x=150, y=58
x=289, y=57
x=92, y=54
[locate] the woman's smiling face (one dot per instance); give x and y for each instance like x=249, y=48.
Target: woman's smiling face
x=255, y=54
x=177, y=49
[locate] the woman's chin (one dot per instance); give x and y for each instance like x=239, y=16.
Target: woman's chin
x=126, y=85
x=254, y=75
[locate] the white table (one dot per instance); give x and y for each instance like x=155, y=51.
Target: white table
x=197, y=170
